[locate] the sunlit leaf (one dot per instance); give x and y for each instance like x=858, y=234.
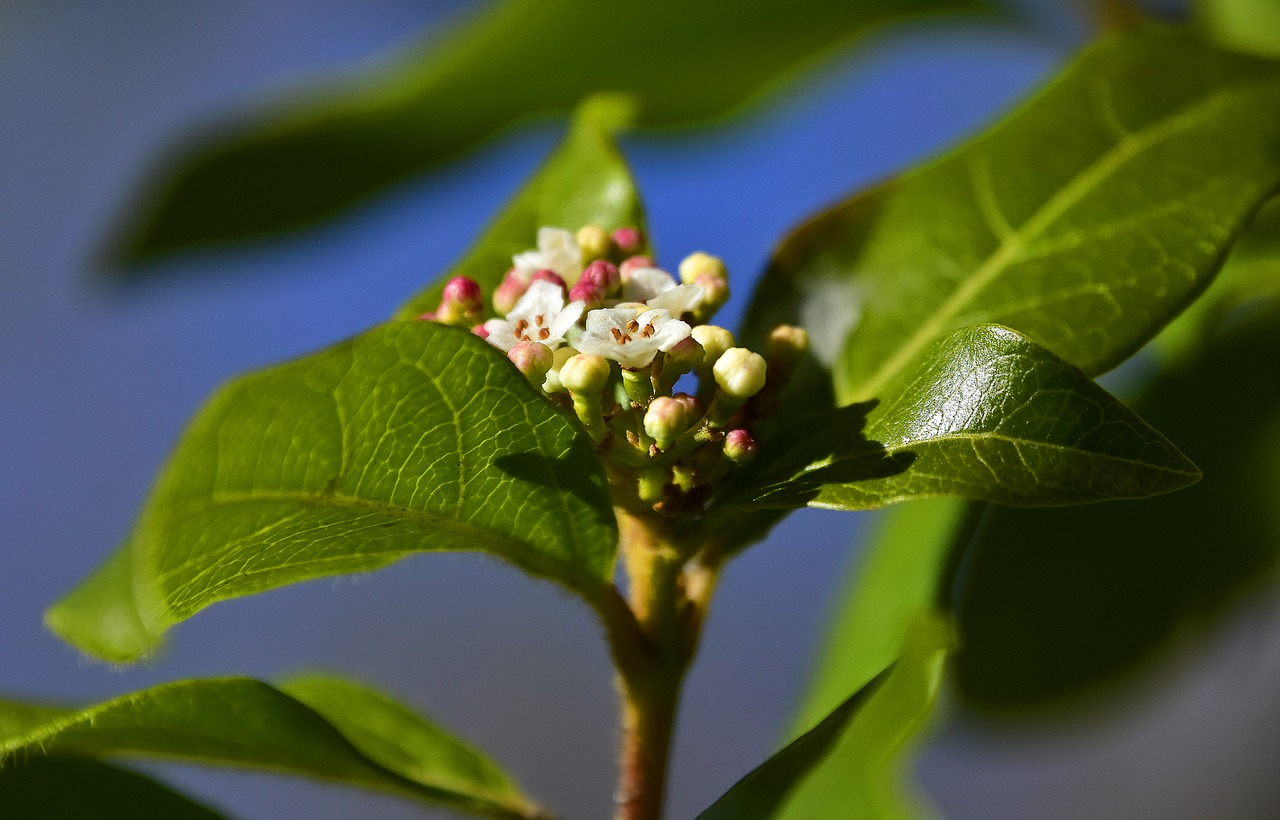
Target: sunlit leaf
x=845, y=766
x=1086, y=219
x=1053, y=605
x=684, y=62
x=585, y=182
x=74, y=788
x=984, y=414
x=319, y=728
x=412, y=437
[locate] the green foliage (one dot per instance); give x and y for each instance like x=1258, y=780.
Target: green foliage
x=316, y=727
x=1085, y=220
x=584, y=182
x=683, y=62
x=844, y=763
x=412, y=437
x=1052, y=605
x=983, y=414
x=74, y=788
x=1247, y=25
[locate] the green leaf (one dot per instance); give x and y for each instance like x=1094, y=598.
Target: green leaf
x=1246, y=25
x=73, y=788
x=315, y=727
x=845, y=765
x=984, y=414
x=1052, y=606
x=585, y=182
x=412, y=437
x=1085, y=220
x=684, y=62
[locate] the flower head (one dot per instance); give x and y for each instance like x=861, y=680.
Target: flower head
x=557, y=251
x=540, y=316
x=631, y=335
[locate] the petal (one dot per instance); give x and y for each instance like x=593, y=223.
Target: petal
x=646, y=283
x=542, y=298
x=502, y=334
x=679, y=300
x=567, y=318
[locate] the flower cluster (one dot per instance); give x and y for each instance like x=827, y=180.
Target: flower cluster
x=602, y=331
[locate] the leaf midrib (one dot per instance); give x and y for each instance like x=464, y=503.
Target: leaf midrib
x=1013, y=243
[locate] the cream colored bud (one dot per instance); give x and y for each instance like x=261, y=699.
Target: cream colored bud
x=715, y=341
x=594, y=242
x=701, y=264
x=585, y=373
x=787, y=343
x=740, y=373
x=552, y=383
x=665, y=419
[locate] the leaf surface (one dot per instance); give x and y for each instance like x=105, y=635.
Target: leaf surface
x=684, y=62
x=985, y=414
x=74, y=788
x=1085, y=219
x=412, y=437
x=319, y=728
x=843, y=766
x=584, y=182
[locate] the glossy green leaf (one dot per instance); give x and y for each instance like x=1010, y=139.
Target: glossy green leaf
x=74, y=788
x=412, y=437
x=520, y=58
x=1247, y=25
x=1085, y=220
x=844, y=766
x=1053, y=605
x=585, y=182
x=318, y=728
x=984, y=414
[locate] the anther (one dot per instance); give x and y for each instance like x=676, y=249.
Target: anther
x=633, y=326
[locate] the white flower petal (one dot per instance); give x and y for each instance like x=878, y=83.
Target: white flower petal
x=646, y=283
x=560, y=253
x=629, y=336
x=679, y=300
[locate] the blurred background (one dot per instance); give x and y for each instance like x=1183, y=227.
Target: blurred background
x=97, y=379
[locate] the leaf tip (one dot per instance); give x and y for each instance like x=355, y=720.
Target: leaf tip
x=101, y=617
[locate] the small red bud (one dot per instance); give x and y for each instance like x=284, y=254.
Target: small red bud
x=628, y=240
x=551, y=276
x=603, y=273
x=509, y=292
x=589, y=292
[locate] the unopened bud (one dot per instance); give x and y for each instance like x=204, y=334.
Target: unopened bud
x=463, y=294
x=594, y=242
x=632, y=264
x=585, y=373
x=684, y=357
x=739, y=446
x=589, y=293
x=628, y=240
x=552, y=383
x=665, y=420
x=787, y=345
x=691, y=404
x=509, y=292
x=533, y=359
x=740, y=373
x=715, y=340
x=700, y=264
x=546, y=275
x=603, y=273
x=715, y=292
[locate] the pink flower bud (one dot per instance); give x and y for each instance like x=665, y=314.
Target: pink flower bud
x=533, y=359
x=551, y=276
x=589, y=292
x=632, y=264
x=509, y=292
x=461, y=302
x=739, y=446
x=715, y=292
x=480, y=331
x=665, y=420
x=628, y=240
x=603, y=273
x=692, y=406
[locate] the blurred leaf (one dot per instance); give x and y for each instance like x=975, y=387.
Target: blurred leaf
x=984, y=414
x=845, y=765
x=73, y=788
x=412, y=437
x=374, y=742
x=1246, y=25
x=1085, y=220
x=684, y=62
x=585, y=182
x=1051, y=604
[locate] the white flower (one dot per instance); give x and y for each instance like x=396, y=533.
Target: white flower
x=658, y=289
x=631, y=335
x=557, y=250
x=540, y=316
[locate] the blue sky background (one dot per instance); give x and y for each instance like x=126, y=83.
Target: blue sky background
x=96, y=382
